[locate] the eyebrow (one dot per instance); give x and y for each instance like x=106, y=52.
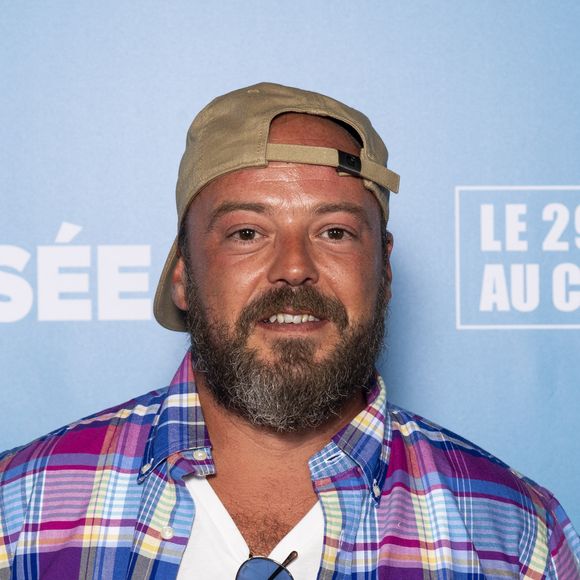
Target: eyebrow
x=346, y=206
x=231, y=206
x=321, y=209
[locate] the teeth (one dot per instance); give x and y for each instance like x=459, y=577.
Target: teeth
x=283, y=318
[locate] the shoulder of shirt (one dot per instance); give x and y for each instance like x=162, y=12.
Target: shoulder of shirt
x=139, y=411
x=472, y=487
x=413, y=428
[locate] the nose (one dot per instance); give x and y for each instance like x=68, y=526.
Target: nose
x=293, y=262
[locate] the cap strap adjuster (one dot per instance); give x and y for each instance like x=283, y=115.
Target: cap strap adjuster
x=344, y=162
x=348, y=163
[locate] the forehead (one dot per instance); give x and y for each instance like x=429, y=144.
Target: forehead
x=284, y=190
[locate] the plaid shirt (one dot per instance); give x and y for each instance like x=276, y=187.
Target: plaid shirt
x=402, y=498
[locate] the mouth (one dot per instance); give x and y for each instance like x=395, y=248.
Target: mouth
x=284, y=311
x=290, y=318
x=291, y=321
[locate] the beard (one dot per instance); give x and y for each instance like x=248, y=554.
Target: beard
x=294, y=392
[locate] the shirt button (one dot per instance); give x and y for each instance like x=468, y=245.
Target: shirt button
x=167, y=532
x=376, y=489
x=200, y=455
x=146, y=468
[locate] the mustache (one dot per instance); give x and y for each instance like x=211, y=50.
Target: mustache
x=303, y=298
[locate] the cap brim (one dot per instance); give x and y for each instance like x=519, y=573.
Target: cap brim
x=164, y=309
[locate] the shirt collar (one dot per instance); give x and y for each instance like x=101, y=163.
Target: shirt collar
x=361, y=449
x=367, y=438
x=179, y=427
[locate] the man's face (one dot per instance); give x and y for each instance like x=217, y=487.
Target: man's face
x=286, y=273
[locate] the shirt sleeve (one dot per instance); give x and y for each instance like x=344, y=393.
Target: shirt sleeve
x=564, y=545
x=7, y=527
x=16, y=484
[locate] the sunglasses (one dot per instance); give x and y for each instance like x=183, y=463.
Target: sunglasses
x=262, y=568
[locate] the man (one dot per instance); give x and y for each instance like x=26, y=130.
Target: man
x=274, y=451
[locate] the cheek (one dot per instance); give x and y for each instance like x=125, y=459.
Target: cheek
x=226, y=286
x=355, y=284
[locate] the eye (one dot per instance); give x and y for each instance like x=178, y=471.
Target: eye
x=245, y=235
x=337, y=234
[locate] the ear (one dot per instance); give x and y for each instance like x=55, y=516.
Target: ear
x=178, y=286
x=390, y=243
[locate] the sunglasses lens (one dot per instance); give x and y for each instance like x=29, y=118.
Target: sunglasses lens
x=261, y=569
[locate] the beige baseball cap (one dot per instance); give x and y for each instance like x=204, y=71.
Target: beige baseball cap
x=231, y=133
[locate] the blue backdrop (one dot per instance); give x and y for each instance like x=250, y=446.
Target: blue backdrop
x=479, y=104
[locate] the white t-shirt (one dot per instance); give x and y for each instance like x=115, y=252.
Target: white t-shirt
x=216, y=548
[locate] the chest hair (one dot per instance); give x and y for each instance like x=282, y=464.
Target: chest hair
x=263, y=525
